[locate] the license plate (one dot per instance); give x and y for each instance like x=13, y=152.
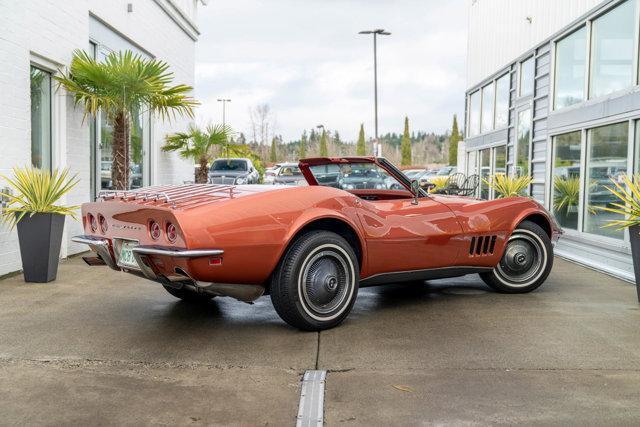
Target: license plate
x=126, y=258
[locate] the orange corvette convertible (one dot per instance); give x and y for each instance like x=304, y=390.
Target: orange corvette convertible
x=359, y=222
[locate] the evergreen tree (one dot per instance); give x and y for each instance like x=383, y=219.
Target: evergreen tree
x=406, y=144
x=324, y=150
x=336, y=138
x=273, y=156
x=302, y=150
x=361, y=148
x=454, y=139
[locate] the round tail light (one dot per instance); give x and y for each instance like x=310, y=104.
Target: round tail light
x=93, y=223
x=154, y=230
x=172, y=233
x=103, y=224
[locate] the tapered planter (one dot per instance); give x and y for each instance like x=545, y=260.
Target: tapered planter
x=634, y=235
x=40, y=238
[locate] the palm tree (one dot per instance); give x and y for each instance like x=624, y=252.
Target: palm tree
x=122, y=85
x=197, y=145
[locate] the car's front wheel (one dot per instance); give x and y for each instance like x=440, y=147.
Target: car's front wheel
x=316, y=283
x=526, y=262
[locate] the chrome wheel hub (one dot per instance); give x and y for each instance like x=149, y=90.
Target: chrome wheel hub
x=523, y=259
x=325, y=282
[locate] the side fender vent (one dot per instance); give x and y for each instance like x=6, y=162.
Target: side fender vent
x=482, y=245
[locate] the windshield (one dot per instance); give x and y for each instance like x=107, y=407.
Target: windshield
x=290, y=171
x=355, y=176
x=229, y=165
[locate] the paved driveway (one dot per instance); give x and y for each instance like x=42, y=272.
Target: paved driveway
x=99, y=347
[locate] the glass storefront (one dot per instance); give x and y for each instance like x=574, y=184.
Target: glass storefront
x=527, y=77
x=566, y=178
x=40, y=118
x=570, y=66
x=485, y=172
x=606, y=160
x=474, y=113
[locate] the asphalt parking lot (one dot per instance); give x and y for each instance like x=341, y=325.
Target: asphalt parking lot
x=100, y=347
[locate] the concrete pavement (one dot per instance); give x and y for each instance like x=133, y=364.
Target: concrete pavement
x=99, y=347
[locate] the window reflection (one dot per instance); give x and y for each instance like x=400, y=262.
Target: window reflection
x=502, y=101
x=523, y=141
x=487, y=108
x=474, y=113
x=526, y=77
x=40, y=118
x=570, y=68
x=607, y=160
x=485, y=172
x=612, y=50
x=566, y=178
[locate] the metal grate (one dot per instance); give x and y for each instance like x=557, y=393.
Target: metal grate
x=482, y=245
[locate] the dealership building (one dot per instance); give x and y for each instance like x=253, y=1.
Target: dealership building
x=554, y=93
x=38, y=122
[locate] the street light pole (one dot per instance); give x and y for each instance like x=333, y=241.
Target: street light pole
x=224, y=108
x=376, y=32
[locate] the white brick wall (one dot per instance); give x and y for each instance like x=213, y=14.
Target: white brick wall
x=46, y=32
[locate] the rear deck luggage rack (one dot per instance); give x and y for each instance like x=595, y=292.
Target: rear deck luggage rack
x=170, y=194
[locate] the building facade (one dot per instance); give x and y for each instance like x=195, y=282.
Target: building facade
x=554, y=93
x=39, y=124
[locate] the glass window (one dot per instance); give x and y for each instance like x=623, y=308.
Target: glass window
x=355, y=176
x=566, y=178
x=487, y=108
x=612, y=50
x=40, y=118
x=485, y=172
x=524, y=141
x=474, y=113
x=500, y=160
x=526, y=77
x=606, y=161
x=471, y=163
x=502, y=101
x=570, y=68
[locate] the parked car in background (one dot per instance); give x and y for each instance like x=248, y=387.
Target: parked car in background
x=270, y=173
x=447, y=170
x=362, y=176
x=288, y=174
x=233, y=172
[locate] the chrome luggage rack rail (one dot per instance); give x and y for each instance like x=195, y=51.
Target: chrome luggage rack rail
x=185, y=195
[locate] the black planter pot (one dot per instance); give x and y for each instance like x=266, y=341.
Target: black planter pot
x=40, y=238
x=634, y=235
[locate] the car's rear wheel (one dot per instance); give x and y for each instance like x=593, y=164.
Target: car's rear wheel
x=526, y=262
x=188, y=295
x=316, y=283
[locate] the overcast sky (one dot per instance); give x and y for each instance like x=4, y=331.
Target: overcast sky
x=305, y=59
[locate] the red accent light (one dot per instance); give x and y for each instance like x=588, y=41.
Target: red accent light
x=92, y=222
x=103, y=223
x=172, y=233
x=154, y=230
x=215, y=261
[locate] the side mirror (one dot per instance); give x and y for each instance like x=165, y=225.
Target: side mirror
x=415, y=189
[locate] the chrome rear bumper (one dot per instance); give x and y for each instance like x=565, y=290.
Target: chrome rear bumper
x=102, y=248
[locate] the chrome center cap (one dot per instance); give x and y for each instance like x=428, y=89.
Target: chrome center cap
x=331, y=283
x=520, y=258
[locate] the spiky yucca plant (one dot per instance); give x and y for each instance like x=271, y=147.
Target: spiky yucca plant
x=567, y=192
x=508, y=186
x=439, y=182
x=37, y=191
x=628, y=194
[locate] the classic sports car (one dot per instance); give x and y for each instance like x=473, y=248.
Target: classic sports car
x=312, y=247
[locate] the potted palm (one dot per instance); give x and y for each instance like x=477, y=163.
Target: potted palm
x=566, y=195
x=197, y=144
x=508, y=186
x=120, y=86
x=627, y=193
x=31, y=206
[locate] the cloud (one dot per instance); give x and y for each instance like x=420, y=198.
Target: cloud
x=306, y=60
